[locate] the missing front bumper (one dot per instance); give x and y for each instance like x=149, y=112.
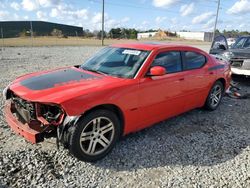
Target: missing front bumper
x=22, y=129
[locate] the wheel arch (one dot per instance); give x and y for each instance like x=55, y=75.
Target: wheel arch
x=111, y=107
x=206, y=104
x=223, y=81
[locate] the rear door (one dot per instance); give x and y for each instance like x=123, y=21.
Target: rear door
x=198, y=78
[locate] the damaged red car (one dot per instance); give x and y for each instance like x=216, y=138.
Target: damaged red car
x=121, y=89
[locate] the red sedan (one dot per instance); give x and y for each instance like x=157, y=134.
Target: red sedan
x=121, y=89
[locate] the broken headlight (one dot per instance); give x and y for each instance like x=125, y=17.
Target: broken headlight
x=51, y=113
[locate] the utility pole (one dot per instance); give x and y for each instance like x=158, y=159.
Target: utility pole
x=31, y=33
x=216, y=19
x=2, y=41
x=102, y=22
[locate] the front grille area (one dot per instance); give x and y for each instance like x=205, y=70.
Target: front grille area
x=24, y=110
x=31, y=112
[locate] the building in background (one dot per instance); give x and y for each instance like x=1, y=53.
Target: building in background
x=160, y=34
x=145, y=35
x=201, y=36
x=40, y=28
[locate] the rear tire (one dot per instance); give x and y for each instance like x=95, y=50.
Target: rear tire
x=94, y=136
x=214, y=97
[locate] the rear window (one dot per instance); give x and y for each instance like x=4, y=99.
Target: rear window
x=194, y=60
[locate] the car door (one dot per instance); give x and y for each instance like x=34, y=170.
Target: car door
x=160, y=97
x=198, y=78
x=219, y=45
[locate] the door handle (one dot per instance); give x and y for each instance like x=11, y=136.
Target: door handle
x=211, y=73
x=181, y=79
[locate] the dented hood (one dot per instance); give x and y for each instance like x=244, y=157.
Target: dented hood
x=59, y=85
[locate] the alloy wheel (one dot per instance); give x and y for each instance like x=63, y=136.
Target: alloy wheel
x=215, y=95
x=97, y=136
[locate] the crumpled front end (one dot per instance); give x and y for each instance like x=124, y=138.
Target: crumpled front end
x=32, y=120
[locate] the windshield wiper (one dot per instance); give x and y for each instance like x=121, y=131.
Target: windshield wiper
x=93, y=70
x=99, y=72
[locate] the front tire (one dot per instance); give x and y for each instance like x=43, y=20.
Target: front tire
x=94, y=136
x=214, y=97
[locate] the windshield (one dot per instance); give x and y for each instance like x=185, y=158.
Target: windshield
x=243, y=42
x=119, y=62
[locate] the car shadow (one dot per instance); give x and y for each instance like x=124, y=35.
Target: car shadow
x=198, y=137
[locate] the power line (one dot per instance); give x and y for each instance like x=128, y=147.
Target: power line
x=142, y=7
x=161, y=10
x=137, y=7
x=180, y=2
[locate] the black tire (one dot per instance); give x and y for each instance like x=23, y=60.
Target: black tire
x=210, y=105
x=80, y=149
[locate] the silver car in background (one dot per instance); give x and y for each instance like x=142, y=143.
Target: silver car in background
x=238, y=55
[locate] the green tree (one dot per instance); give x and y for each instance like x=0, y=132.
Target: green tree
x=127, y=33
x=115, y=33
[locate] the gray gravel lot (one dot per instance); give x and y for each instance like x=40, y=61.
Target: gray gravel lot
x=196, y=149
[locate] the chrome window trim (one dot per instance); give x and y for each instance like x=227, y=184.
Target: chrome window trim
x=136, y=75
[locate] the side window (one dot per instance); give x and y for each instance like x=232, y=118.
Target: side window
x=170, y=60
x=247, y=43
x=239, y=43
x=193, y=60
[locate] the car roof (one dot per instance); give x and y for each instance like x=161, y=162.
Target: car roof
x=148, y=45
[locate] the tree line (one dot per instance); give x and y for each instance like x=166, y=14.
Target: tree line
x=122, y=33
x=116, y=33
x=131, y=33
x=231, y=33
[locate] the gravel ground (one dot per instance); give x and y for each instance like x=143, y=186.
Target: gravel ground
x=196, y=149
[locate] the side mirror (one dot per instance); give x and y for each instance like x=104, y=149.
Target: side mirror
x=157, y=71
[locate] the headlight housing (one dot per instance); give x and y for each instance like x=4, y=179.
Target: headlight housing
x=50, y=113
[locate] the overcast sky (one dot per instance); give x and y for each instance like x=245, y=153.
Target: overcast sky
x=194, y=15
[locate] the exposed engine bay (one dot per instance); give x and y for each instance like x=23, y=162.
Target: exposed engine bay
x=24, y=110
x=44, y=120
x=40, y=117
x=31, y=111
